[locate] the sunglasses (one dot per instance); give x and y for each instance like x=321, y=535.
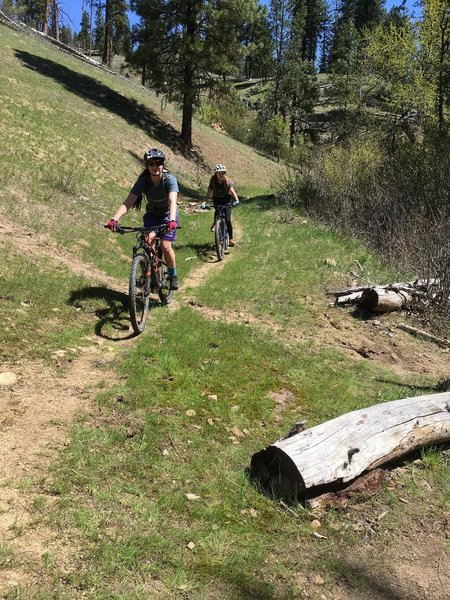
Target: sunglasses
x=154, y=163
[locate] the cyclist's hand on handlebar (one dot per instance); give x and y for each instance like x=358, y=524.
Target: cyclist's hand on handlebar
x=203, y=205
x=235, y=203
x=112, y=225
x=171, y=225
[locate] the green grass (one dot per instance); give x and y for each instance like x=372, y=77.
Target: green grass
x=195, y=398
x=285, y=265
x=127, y=495
x=39, y=319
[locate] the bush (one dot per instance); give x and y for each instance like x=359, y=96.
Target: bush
x=398, y=204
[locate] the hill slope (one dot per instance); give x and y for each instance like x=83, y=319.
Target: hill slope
x=70, y=129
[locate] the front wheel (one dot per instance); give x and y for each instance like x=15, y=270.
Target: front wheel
x=138, y=291
x=220, y=239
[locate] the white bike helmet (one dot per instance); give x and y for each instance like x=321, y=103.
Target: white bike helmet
x=220, y=168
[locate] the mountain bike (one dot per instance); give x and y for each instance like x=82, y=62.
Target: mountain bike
x=221, y=237
x=148, y=274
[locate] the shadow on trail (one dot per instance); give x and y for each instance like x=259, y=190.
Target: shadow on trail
x=441, y=386
x=113, y=319
x=375, y=584
x=259, y=585
x=202, y=251
x=101, y=95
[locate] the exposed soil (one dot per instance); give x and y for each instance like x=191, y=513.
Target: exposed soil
x=38, y=409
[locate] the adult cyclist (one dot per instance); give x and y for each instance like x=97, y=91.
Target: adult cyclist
x=221, y=188
x=160, y=189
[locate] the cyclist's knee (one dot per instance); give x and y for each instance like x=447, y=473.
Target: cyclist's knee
x=166, y=246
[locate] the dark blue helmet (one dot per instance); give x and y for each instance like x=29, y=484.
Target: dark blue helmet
x=154, y=153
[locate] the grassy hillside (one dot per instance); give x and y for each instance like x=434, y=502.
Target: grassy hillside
x=73, y=137
x=124, y=465
x=72, y=131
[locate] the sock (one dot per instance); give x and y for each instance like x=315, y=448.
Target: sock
x=173, y=272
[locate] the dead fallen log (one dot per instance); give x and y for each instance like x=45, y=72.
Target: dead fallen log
x=418, y=285
x=340, y=450
x=384, y=298
x=369, y=484
x=352, y=298
x=379, y=299
x=424, y=334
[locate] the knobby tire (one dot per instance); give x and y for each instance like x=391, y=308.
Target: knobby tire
x=220, y=239
x=138, y=292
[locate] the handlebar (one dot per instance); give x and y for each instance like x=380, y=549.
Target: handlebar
x=233, y=204
x=159, y=229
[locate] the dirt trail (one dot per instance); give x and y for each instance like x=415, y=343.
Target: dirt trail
x=39, y=407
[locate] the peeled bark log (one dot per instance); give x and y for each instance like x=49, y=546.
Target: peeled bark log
x=348, y=299
x=379, y=299
x=340, y=450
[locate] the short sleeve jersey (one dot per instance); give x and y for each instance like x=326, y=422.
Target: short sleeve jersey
x=221, y=190
x=157, y=195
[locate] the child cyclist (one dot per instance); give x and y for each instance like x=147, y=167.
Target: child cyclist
x=221, y=188
x=160, y=189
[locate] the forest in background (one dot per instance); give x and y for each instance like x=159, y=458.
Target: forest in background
x=356, y=98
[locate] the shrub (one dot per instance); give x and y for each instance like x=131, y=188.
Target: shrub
x=397, y=203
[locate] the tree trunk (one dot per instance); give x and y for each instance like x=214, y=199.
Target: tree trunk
x=107, y=48
x=46, y=16
x=443, y=51
x=188, y=105
x=55, y=24
x=340, y=450
x=91, y=15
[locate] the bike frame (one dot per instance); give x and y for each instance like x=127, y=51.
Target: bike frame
x=148, y=273
x=220, y=212
x=150, y=249
x=221, y=230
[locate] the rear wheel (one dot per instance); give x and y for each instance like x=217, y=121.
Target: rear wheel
x=219, y=239
x=161, y=281
x=138, y=291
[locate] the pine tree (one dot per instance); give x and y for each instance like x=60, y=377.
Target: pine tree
x=351, y=19
x=258, y=44
x=107, y=44
x=32, y=12
x=121, y=35
x=85, y=29
x=435, y=56
x=316, y=17
x=280, y=17
x=185, y=44
x=99, y=29
x=294, y=89
x=66, y=35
